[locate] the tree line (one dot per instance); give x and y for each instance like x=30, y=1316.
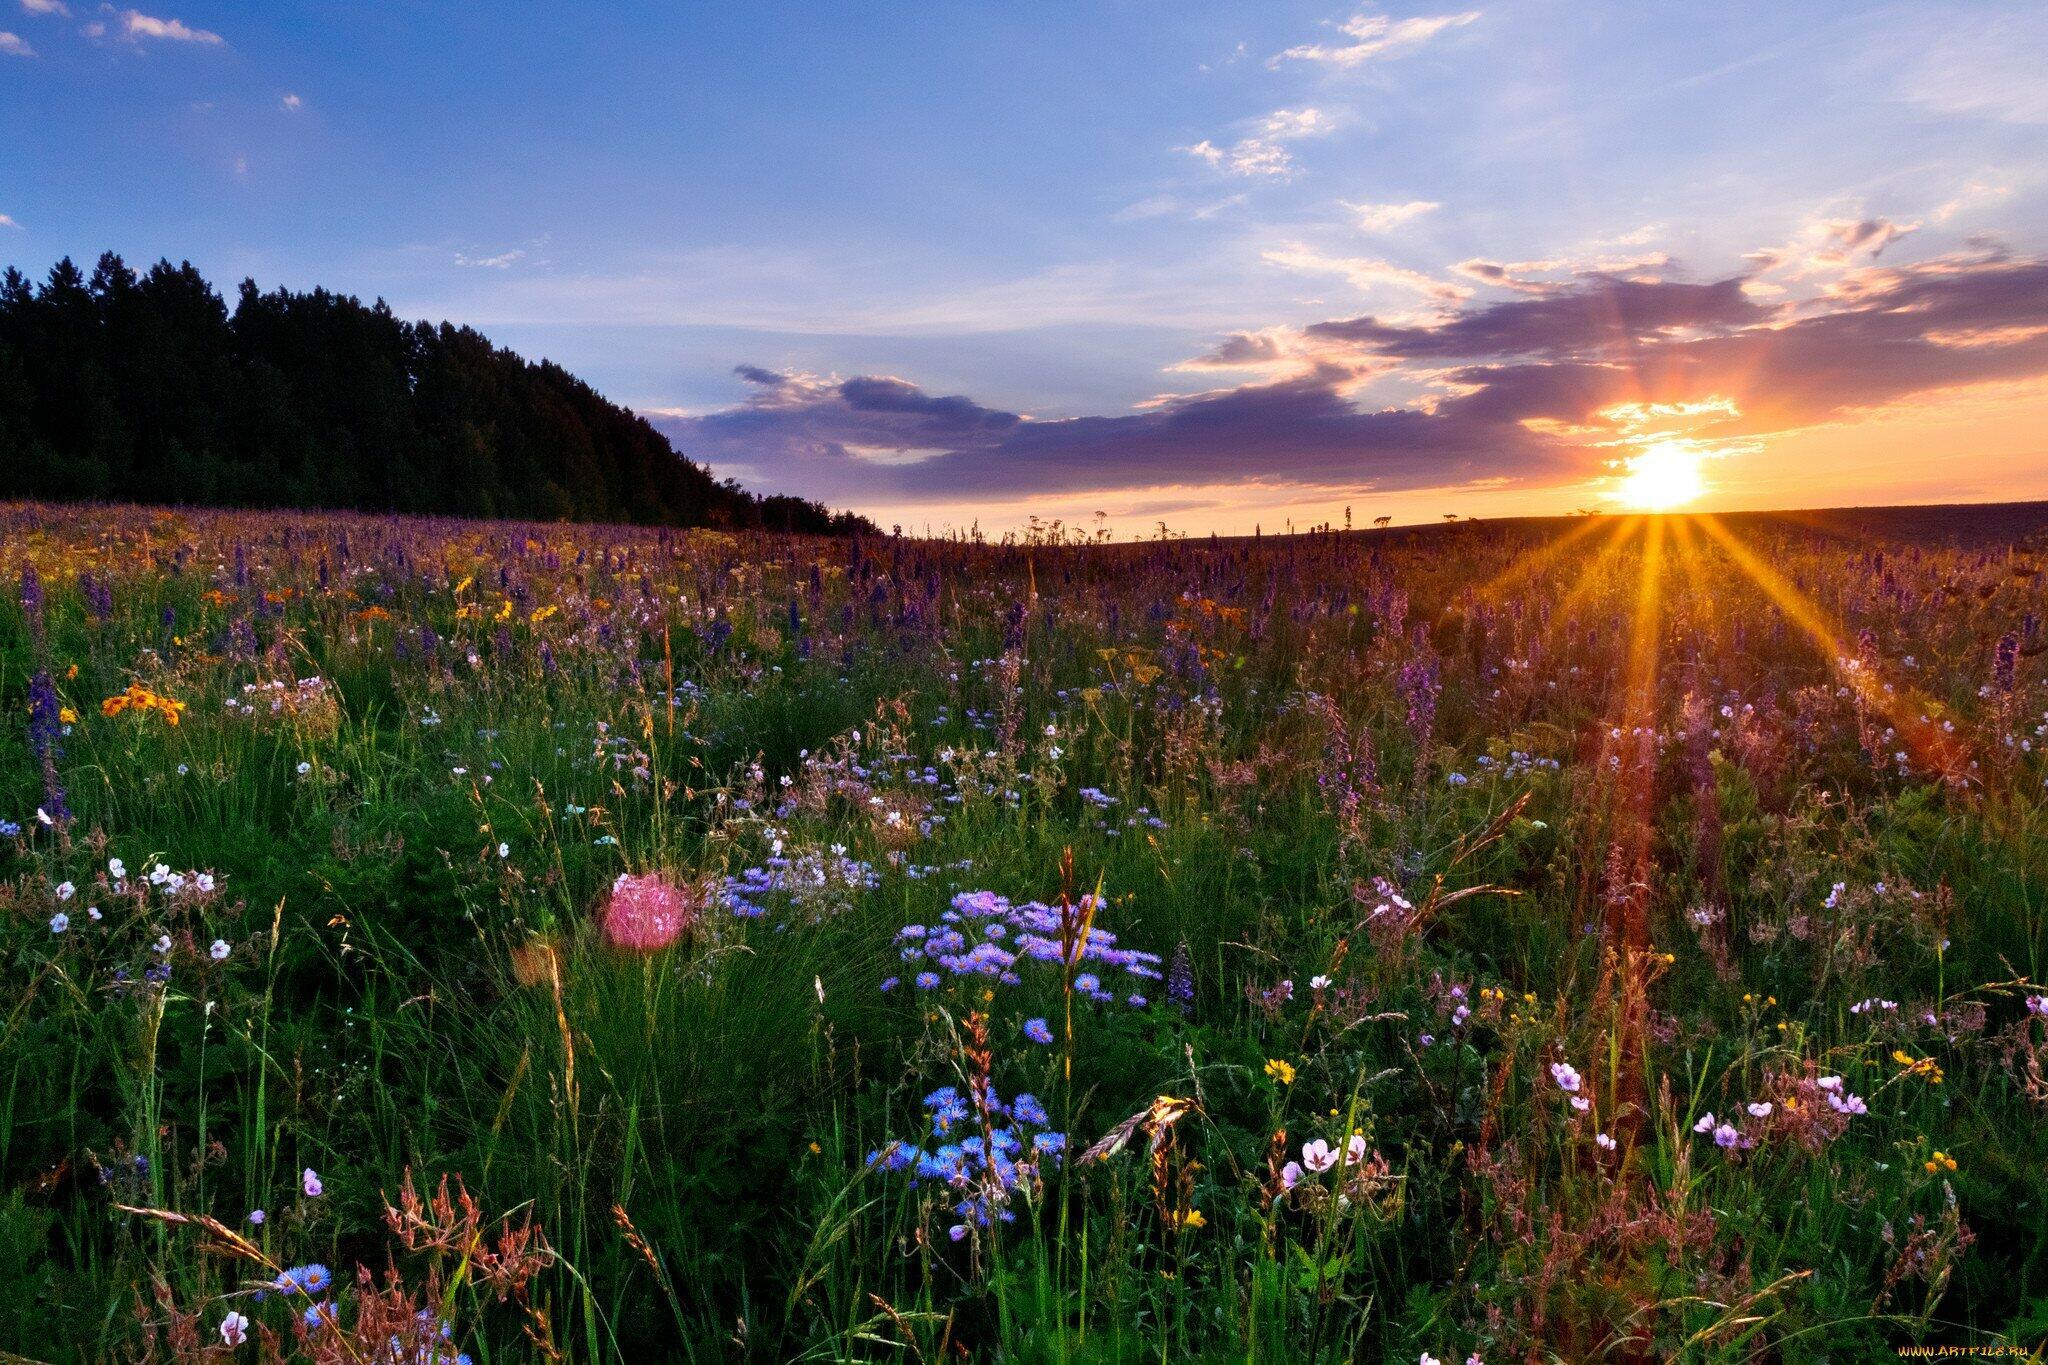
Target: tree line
x=148, y=387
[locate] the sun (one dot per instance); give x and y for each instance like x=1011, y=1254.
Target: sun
x=1664, y=476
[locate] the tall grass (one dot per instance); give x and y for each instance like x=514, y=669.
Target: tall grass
x=1462, y=877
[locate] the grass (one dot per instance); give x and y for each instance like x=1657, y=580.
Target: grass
x=1489, y=862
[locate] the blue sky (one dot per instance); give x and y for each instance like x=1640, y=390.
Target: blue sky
x=1198, y=261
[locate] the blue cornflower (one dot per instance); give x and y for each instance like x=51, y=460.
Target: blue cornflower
x=1028, y=1110
x=1038, y=1031
x=927, y=981
x=305, y=1279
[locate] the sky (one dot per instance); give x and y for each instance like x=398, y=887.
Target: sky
x=1221, y=266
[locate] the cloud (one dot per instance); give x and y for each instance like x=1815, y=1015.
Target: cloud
x=1263, y=151
x=1829, y=245
x=1372, y=37
x=51, y=7
x=1529, y=277
x=292, y=103
x=885, y=437
x=7, y=221
x=1364, y=272
x=1986, y=67
x=1164, y=205
x=12, y=45
x=1387, y=217
x=1971, y=196
x=1531, y=389
x=1598, y=316
x=133, y=26
x=504, y=260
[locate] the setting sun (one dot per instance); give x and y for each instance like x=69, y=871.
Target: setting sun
x=1664, y=476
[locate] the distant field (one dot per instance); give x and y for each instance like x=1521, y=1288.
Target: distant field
x=1597, y=938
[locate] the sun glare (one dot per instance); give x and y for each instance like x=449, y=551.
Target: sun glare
x=1664, y=476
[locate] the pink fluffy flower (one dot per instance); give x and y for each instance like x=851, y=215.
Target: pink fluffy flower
x=646, y=914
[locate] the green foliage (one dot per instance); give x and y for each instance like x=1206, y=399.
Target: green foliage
x=1416, y=841
x=148, y=386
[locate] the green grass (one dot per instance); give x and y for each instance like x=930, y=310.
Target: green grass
x=1288, y=738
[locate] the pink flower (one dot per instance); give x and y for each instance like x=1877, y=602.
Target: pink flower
x=1354, y=1150
x=1318, y=1155
x=646, y=914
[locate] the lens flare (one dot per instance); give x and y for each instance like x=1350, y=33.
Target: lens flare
x=1666, y=475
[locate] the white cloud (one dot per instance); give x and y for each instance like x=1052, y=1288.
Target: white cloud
x=1164, y=205
x=1974, y=195
x=293, y=103
x=1365, y=272
x=1825, y=246
x=135, y=25
x=1263, y=151
x=7, y=220
x=1373, y=36
x=13, y=45
x=502, y=261
x=56, y=7
x=1387, y=217
x=1526, y=277
x=1991, y=68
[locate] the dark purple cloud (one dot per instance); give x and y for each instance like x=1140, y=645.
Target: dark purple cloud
x=1598, y=314
x=1508, y=377
x=1301, y=430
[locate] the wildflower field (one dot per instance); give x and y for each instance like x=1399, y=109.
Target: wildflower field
x=1609, y=939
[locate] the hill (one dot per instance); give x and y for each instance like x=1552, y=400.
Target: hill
x=149, y=387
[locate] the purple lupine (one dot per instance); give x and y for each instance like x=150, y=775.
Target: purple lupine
x=1418, y=683
x=2005, y=662
x=98, y=596
x=45, y=728
x=32, y=602
x=1180, y=979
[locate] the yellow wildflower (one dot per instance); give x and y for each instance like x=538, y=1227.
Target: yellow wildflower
x=1280, y=1071
x=140, y=698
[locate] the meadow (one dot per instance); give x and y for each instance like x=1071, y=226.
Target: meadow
x=1607, y=939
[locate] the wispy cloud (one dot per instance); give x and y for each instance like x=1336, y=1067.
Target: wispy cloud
x=133, y=25
x=292, y=103
x=7, y=221
x=1378, y=218
x=1543, y=276
x=1991, y=66
x=1171, y=205
x=504, y=260
x=52, y=7
x=1825, y=245
x=1263, y=151
x=1364, y=272
x=1372, y=37
x=13, y=45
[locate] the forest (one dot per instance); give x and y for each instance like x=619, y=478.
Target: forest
x=149, y=387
